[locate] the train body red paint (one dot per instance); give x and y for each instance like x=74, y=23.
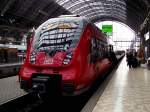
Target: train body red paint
x=69, y=51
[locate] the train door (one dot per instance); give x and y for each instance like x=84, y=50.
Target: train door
x=94, y=56
x=102, y=61
x=93, y=51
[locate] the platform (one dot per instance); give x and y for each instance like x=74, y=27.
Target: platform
x=9, y=89
x=10, y=65
x=128, y=90
x=9, y=69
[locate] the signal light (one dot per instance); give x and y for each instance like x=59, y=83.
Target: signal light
x=32, y=57
x=67, y=58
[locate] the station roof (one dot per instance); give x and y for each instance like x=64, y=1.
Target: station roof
x=130, y=12
x=27, y=13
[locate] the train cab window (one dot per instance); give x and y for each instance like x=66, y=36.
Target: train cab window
x=58, y=34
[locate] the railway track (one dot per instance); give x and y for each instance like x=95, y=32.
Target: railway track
x=26, y=103
x=33, y=103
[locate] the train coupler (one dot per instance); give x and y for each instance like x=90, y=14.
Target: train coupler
x=45, y=85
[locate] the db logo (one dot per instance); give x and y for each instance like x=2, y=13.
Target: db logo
x=48, y=61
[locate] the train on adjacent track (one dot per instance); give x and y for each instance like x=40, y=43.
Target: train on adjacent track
x=66, y=54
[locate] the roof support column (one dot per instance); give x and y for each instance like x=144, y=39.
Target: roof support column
x=142, y=47
x=145, y=23
x=148, y=44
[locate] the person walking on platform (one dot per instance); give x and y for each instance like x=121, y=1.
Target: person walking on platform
x=129, y=59
x=134, y=60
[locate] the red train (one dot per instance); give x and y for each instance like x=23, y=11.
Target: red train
x=66, y=53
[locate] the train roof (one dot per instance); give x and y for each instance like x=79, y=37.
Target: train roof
x=73, y=18
x=65, y=17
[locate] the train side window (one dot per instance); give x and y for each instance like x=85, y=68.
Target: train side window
x=100, y=49
x=93, y=43
x=93, y=49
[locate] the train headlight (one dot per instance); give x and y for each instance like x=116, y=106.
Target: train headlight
x=67, y=58
x=32, y=57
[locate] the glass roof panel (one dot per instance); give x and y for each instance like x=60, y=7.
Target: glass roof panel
x=89, y=12
x=102, y=8
x=115, y=15
x=86, y=9
x=78, y=4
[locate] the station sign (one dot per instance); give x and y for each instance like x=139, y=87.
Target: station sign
x=108, y=29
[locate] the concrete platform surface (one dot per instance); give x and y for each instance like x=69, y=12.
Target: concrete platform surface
x=9, y=89
x=127, y=91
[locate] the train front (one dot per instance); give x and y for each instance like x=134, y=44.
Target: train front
x=51, y=63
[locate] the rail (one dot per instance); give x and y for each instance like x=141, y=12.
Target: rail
x=26, y=103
